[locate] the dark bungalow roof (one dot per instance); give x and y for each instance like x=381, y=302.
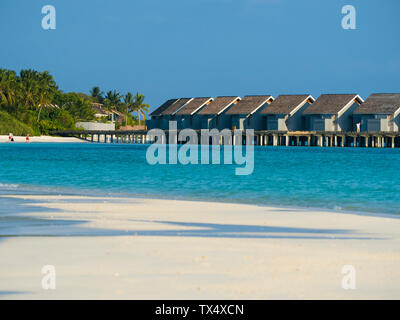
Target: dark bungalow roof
x=249, y=104
x=163, y=107
x=218, y=105
x=120, y=114
x=380, y=103
x=175, y=106
x=331, y=103
x=99, y=109
x=286, y=103
x=192, y=106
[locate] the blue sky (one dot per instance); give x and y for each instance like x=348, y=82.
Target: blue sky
x=175, y=48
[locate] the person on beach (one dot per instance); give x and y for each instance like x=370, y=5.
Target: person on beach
x=10, y=137
x=27, y=138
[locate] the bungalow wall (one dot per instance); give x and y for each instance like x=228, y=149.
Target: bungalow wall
x=157, y=122
x=275, y=122
x=374, y=122
x=396, y=124
x=215, y=121
x=224, y=121
x=219, y=122
x=256, y=120
x=164, y=122
x=189, y=122
x=153, y=123
x=319, y=122
x=196, y=122
x=206, y=121
x=294, y=123
x=345, y=121
x=239, y=122
x=183, y=122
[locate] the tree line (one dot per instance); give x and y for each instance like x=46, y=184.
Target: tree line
x=127, y=104
x=33, y=99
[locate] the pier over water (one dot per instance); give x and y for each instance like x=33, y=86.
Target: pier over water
x=261, y=138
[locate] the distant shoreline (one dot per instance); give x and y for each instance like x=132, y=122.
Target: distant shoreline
x=19, y=139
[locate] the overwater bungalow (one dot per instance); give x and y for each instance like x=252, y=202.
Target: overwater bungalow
x=332, y=120
x=246, y=113
x=379, y=112
x=169, y=113
x=332, y=112
x=184, y=116
x=156, y=117
x=285, y=113
x=211, y=116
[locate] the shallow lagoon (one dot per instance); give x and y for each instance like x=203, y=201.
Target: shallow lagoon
x=348, y=179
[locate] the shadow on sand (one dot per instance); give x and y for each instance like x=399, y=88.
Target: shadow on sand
x=214, y=230
x=16, y=222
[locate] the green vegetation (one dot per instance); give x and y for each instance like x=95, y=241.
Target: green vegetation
x=31, y=102
x=125, y=104
x=10, y=124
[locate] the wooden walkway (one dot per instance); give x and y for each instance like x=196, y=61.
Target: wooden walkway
x=328, y=139
x=261, y=138
x=105, y=136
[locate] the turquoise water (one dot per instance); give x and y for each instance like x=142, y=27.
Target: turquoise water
x=348, y=179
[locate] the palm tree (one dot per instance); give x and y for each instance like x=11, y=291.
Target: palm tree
x=83, y=109
x=129, y=103
x=37, y=89
x=46, y=90
x=140, y=107
x=8, y=87
x=29, y=87
x=97, y=94
x=112, y=99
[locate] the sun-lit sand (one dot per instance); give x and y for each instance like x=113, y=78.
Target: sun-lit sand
x=166, y=249
x=4, y=138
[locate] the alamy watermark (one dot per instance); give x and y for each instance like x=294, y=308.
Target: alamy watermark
x=49, y=278
x=49, y=20
x=349, y=278
x=349, y=20
x=193, y=151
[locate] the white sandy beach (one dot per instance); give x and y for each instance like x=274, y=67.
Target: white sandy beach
x=166, y=249
x=4, y=138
